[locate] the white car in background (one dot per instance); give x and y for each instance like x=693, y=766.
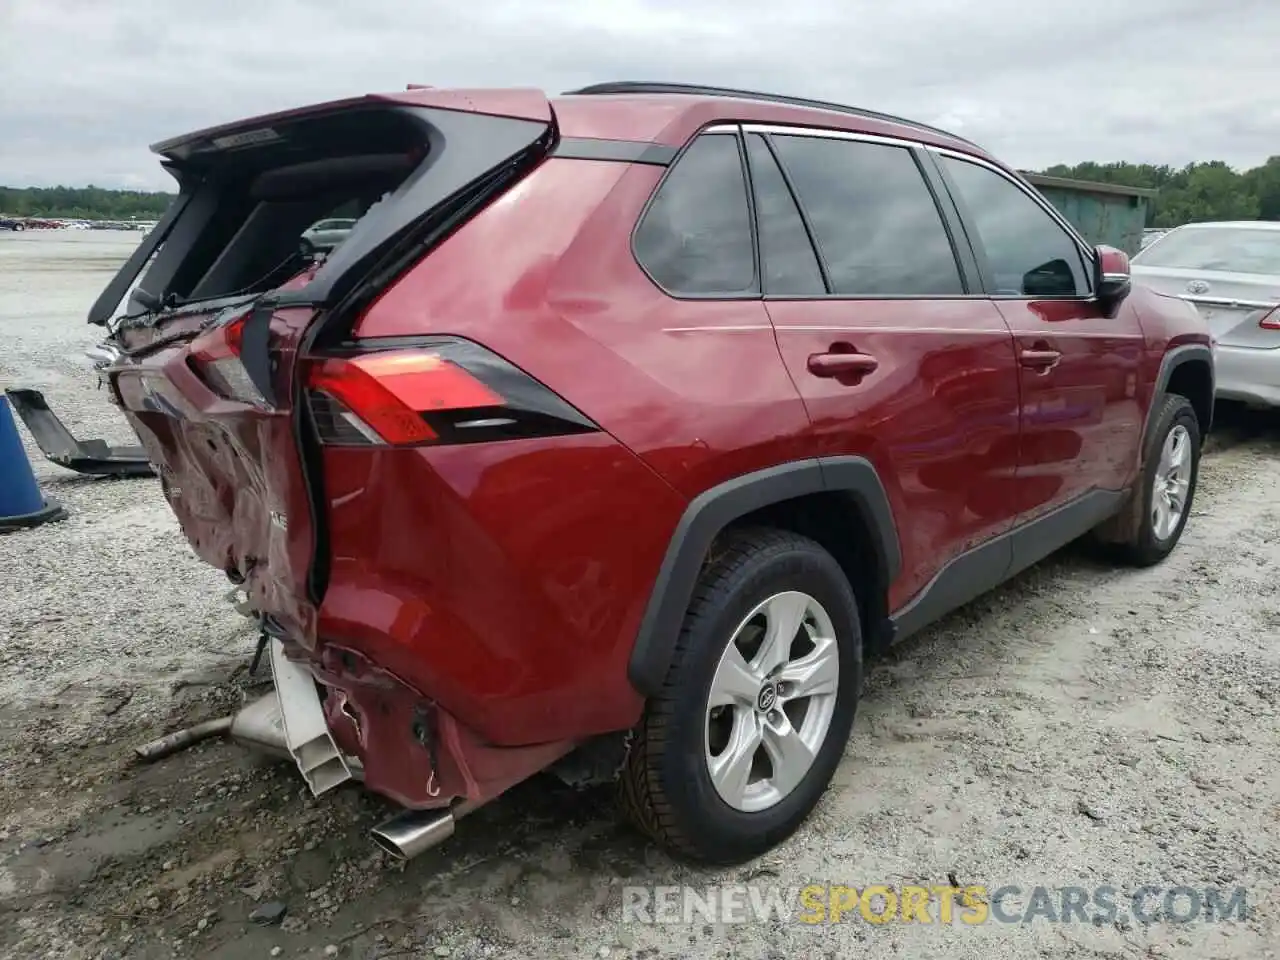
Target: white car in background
x=1231, y=272
x=324, y=235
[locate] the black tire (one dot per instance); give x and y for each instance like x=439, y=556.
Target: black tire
x=1139, y=542
x=666, y=788
x=306, y=249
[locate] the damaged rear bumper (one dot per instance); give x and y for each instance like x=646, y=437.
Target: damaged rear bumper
x=345, y=719
x=61, y=446
x=261, y=726
x=409, y=748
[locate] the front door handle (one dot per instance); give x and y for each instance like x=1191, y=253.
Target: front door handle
x=842, y=365
x=1042, y=360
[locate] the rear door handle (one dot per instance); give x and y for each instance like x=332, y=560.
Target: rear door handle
x=836, y=365
x=1042, y=360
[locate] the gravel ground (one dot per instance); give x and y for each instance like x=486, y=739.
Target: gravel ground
x=1082, y=726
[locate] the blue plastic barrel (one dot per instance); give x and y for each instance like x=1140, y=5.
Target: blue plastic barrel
x=22, y=504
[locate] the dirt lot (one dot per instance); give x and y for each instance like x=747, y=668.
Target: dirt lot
x=1082, y=726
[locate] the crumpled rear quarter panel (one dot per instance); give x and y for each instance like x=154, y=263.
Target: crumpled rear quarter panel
x=506, y=581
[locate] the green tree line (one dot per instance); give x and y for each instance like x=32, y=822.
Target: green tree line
x=1194, y=193
x=1210, y=190
x=82, y=203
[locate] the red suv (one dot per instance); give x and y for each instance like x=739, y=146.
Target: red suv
x=625, y=426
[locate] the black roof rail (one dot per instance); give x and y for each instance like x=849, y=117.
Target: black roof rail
x=638, y=87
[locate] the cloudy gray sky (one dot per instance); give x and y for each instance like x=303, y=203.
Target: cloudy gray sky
x=85, y=85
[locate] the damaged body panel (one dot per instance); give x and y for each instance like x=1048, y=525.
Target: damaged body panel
x=229, y=471
x=387, y=552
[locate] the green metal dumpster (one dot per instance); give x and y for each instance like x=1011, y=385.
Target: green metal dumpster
x=1102, y=212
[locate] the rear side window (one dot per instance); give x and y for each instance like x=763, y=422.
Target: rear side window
x=788, y=262
x=873, y=217
x=695, y=238
x=1028, y=252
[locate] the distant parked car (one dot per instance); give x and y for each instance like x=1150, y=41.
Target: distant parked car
x=1231, y=272
x=326, y=234
x=11, y=223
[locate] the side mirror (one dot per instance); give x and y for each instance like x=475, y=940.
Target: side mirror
x=1052, y=279
x=1111, y=278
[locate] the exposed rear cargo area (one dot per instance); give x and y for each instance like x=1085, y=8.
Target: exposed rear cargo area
x=221, y=298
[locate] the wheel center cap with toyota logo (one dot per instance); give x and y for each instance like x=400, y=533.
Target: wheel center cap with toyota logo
x=767, y=698
x=1197, y=286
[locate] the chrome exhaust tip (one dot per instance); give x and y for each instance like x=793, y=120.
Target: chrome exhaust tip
x=414, y=832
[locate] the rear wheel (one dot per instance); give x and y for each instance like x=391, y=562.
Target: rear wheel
x=1161, y=502
x=737, y=749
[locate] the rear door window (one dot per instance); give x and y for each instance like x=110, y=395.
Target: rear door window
x=874, y=218
x=695, y=238
x=787, y=258
x=1027, y=251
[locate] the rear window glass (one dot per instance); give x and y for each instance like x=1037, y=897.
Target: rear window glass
x=695, y=237
x=788, y=259
x=1229, y=249
x=876, y=224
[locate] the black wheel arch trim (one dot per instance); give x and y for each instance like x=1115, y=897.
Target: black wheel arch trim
x=1173, y=359
x=714, y=509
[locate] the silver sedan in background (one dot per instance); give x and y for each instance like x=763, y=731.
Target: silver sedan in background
x=1231, y=272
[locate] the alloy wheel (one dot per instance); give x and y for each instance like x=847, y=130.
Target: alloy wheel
x=771, y=701
x=1172, y=483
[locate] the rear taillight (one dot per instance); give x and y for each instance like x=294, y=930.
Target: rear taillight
x=1271, y=319
x=444, y=391
x=215, y=357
